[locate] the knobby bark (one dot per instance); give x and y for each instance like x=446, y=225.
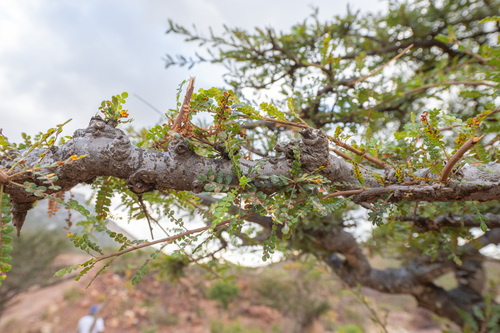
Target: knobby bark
x=109, y=152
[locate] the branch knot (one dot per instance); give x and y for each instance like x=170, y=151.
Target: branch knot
x=180, y=148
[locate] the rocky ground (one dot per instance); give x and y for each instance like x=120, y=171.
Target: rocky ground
x=157, y=305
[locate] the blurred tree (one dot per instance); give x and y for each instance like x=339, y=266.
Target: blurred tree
x=33, y=258
x=407, y=100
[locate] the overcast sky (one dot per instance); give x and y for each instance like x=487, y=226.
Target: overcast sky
x=59, y=59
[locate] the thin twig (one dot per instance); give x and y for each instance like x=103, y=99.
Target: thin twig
x=145, y=211
x=458, y=156
x=344, y=193
x=337, y=194
x=167, y=239
x=357, y=152
x=341, y=154
x=479, y=58
x=382, y=67
x=450, y=83
x=454, y=126
x=208, y=269
x=150, y=105
x=286, y=123
x=437, y=84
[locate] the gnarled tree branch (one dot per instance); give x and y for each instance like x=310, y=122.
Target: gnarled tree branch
x=109, y=152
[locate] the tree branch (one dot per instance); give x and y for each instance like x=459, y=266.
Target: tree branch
x=424, y=224
x=110, y=153
x=415, y=279
x=458, y=156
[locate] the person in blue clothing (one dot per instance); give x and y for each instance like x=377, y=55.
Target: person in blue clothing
x=91, y=323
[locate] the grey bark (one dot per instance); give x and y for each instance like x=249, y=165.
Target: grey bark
x=424, y=224
x=110, y=153
x=416, y=279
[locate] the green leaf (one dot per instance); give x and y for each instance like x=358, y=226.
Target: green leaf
x=61, y=272
x=478, y=312
x=443, y=39
x=220, y=176
x=209, y=187
x=6, y=248
x=244, y=181
x=273, y=111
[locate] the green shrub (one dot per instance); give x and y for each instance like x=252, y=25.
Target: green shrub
x=234, y=327
x=71, y=295
x=223, y=292
x=349, y=328
x=34, y=252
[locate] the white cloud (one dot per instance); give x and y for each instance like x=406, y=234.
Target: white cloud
x=59, y=59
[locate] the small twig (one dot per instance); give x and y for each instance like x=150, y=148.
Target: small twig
x=284, y=123
x=255, y=151
x=167, y=239
x=210, y=270
x=458, y=156
x=382, y=67
x=337, y=194
x=479, y=58
x=144, y=209
x=185, y=106
x=454, y=126
x=437, y=84
x=357, y=152
x=344, y=193
x=450, y=83
x=341, y=154
x=446, y=70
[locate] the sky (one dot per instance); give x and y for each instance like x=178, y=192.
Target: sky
x=60, y=58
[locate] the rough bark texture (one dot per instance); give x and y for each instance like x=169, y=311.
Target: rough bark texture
x=109, y=152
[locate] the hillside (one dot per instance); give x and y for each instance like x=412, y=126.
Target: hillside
x=278, y=298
